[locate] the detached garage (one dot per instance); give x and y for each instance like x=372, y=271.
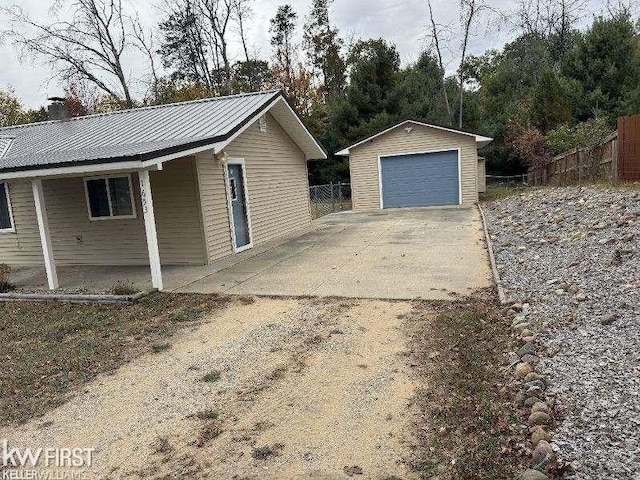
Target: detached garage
x=415, y=164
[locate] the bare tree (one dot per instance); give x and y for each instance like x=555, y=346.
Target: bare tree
x=146, y=44
x=550, y=17
x=90, y=46
x=187, y=44
x=435, y=37
x=242, y=11
x=617, y=8
x=565, y=15
x=533, y=17
x=471, y=12
x=218, y=14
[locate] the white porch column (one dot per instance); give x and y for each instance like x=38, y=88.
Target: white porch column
x=45, y=238
x=150, y=228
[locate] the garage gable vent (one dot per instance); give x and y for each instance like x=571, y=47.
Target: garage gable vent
x=262, y=124
x=5, y=144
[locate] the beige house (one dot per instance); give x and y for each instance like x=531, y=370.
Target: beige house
x=414, y=164
x=186, y=183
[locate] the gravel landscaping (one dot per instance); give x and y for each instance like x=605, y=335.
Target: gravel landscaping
x=572, y=254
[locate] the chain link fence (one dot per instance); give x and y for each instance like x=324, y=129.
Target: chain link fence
x=326, y=199
x=506, y=180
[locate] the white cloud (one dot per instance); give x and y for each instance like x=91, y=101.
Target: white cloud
x=401, y=22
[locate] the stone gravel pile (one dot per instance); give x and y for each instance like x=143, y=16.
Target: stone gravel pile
x=573, y=254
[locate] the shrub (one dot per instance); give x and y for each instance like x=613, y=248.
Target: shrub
x=124, y=288
x=5, y=284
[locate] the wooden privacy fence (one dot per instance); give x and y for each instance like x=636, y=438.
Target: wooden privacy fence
x=617, y=159
x=579, y=165
x=629, y=148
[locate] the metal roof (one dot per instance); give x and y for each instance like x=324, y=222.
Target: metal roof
x=141, y=133
x=480, y=140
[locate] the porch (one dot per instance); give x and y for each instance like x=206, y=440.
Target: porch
x=83, y=229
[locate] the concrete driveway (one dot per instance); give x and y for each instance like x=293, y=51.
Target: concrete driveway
x=399, y=254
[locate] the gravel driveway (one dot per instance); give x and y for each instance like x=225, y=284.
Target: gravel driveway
x=573, y=254
x=271, y=389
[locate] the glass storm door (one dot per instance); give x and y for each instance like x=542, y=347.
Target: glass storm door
x=239, y=206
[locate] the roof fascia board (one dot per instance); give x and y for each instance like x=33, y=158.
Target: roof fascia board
x=184, y=153
x=225, y=143
x=346, y=151
x=301, y=123
x=79, y=170
x=222, y=145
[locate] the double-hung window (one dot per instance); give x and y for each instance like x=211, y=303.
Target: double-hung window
x=6, y=216
x=110, y=197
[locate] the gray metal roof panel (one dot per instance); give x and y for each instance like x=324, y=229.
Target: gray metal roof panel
x=128, y=133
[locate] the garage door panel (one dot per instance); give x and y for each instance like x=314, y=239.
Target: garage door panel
x=421, y=180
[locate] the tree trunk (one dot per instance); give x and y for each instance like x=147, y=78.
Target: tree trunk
x=436, y=41
x=467, y=28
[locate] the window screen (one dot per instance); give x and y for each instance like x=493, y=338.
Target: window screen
x=5, y=214
x=110, y=197
x=120, y=196
x=98, y=198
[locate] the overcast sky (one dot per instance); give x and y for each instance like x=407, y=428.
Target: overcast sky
x=402, y=22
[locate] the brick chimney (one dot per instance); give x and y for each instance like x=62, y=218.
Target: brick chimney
x=57, y=109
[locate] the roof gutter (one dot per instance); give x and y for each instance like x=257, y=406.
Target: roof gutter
x=77, y=170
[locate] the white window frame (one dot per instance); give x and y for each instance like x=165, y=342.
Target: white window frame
x=12, y=228
x=110, y=216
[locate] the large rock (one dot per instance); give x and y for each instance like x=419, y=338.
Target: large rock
x=526, y=349
x=539, y=418
x=533, y=475
x=539, y=433
x=540, y=407
x=543, y=453
x=531, y=401
x=523, y=369
x=533, y=376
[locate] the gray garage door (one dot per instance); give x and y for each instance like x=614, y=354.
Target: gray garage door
x=422, y=180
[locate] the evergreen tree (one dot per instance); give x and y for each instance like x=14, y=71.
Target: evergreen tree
x=323, y=47
x=606, y=64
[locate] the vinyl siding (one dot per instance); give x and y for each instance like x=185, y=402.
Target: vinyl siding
x=277, y=186
x=363, y=161
x=277, y=181
x=23, y=246
x=482, y=175
x=213, y=202
x=78, y=241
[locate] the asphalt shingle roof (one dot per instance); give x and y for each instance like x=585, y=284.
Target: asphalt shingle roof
x=139, y=133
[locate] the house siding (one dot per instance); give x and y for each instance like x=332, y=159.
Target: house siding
x=482, y=175
x=190, y=206
x=363, y=161
x=277, y=181
x=277, y=186
x=213, y=204
x=78, y=241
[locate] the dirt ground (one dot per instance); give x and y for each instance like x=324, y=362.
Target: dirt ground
x=272, y=389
